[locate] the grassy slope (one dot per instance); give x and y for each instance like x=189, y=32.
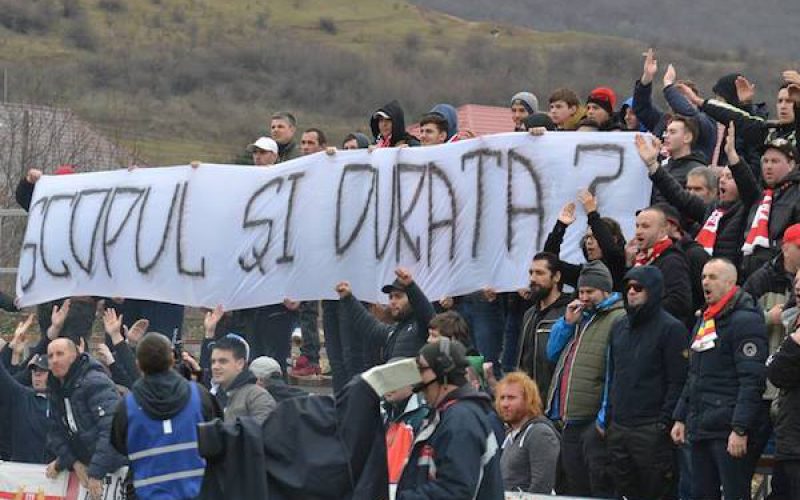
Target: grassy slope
x=175, y=128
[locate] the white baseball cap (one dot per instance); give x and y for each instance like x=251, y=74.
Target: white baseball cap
x=265, y=144
x=265, y=367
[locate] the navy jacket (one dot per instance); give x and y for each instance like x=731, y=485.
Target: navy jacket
x=28, y=417
x=726, y=382
x=648, y=357
x=93, y=399
x=457, y=454
x=783, y=370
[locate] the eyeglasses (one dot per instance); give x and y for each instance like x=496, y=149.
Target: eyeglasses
x=636, y=287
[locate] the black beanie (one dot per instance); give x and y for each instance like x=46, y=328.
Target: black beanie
x=726, y=88
x=595, y=274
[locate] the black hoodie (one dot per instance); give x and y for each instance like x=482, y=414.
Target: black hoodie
x=648, y=357
x=399, y=133
x=161, y=396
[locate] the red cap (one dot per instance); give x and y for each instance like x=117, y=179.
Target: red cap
x=65, y=169
x=603, y=97
x=792, y=234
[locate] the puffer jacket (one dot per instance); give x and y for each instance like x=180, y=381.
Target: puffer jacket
x=726, y=382
x=81, y=412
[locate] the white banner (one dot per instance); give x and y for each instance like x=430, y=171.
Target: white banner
x=461, y=216
x=20, y=481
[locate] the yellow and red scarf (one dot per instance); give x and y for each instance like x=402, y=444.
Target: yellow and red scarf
x=707, y=332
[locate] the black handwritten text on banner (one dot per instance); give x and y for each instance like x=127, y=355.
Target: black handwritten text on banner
x=462, y=216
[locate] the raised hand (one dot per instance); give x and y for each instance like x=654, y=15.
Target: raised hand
x=343, y=289
x=104, y=355
x=588, y=200
x=745, y=90
x=211, y=319
x=730, y=145
x=648, y=151
x=650, y=67
x=113, y=325
x=57, y=319
x=669, y=76
x=137, y=330
x=567, y=214
x=404, y=276
x=33, y=176
x=689, y=94
x=19, y=339
x=791, y=76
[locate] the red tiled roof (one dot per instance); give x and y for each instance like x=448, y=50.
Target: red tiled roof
x=481, y=120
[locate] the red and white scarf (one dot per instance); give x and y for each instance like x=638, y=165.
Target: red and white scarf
x=758, y=236
x=384, y=142
x=707, y=237
x=646, y=257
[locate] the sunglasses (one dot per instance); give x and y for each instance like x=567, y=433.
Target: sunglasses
x=636, y=287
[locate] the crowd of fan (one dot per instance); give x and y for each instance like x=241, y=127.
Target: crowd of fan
x=668, y=370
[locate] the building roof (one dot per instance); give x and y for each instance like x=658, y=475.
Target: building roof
x=480, y=119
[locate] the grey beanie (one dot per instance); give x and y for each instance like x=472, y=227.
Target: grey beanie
x=530, y=101
x=595, y=274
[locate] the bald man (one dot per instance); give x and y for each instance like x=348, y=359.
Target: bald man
x=82, y=401
x=720, y=410
x=652, y=246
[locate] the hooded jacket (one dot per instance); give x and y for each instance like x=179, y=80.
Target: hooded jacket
x=536, y=326
x=648, y=357
x=783, y=370
x=243, y=398
x=731, y=226
x=161, y=396
x=399, y=133
x=785, y=211
x=726, y=382
x=450, y=114
x=457, y=454
x=81, y=411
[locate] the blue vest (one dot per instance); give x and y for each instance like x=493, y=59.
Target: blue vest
x=163, y=453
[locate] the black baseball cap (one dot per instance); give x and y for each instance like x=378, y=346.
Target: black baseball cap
x=40, y=362
x=394, y=286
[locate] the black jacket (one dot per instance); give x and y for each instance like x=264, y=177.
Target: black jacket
x=28, y=418
x=674, y=267
x=403, y=339
x=679, y=170
x=24, y=194
x=726, y=382
x=771, y=277
x=752, y=129
x=613, y=252
x=93, y=399
x=697, y=257
x=316, y=448
x=785, y=211
x=731, y=228
x=124, y=371
x=399, y=133
x=648, y=363
x=783, y=370
x=536, y=325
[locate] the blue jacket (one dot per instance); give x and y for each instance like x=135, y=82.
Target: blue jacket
x=457, y=454
x=28, y=415
x=726, y=382
x=92, y=397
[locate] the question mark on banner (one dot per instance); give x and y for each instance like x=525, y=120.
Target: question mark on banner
x=602, y=148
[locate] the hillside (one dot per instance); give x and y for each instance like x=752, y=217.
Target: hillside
x=176, y=80
x=718, y=25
